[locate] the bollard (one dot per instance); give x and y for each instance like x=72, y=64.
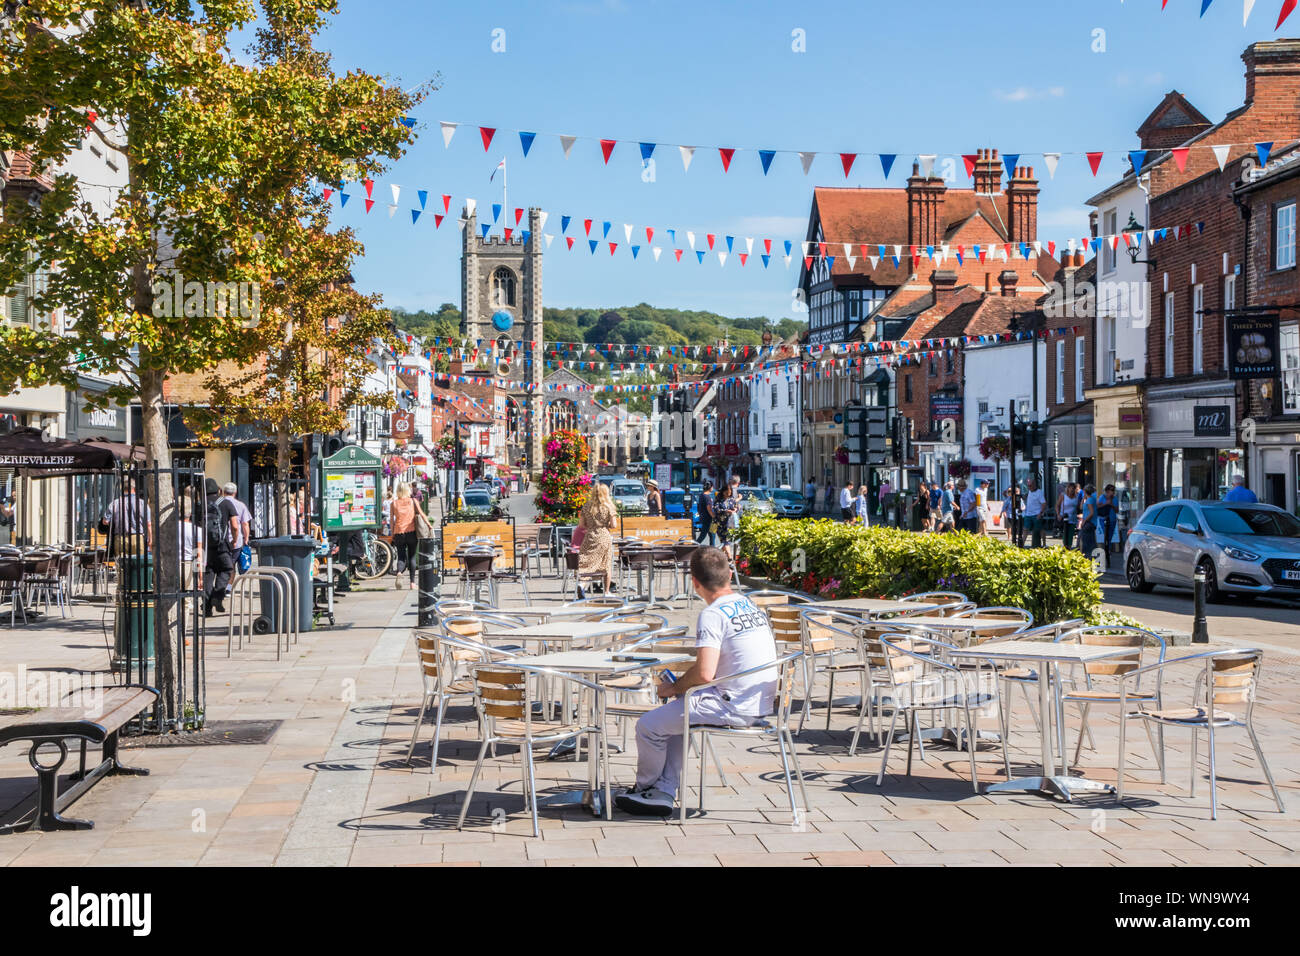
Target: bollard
x=428, y=581
x=1200, y=631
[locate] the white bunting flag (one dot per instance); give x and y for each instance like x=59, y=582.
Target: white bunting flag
x=787, y=261
x=470, y=206
x=541, y=219
x=657, y=251
x=688, y=153
x=448, y=131
x=1069, y=247
x=1050, y=160
x=627, y=231
x=806, y=159
x=461, y=223
x=852, y=260
x=392, y=208
x=1038, y=247
x=548, y=237
x=1220, y=155
x=749, y=245
x=690, y=239
x=927, y=163
x=848, y=248
x=898, y=252
x=722, y=258
x=1246, y=7
x=567, y=143
x=396, y=191
x=875, y=261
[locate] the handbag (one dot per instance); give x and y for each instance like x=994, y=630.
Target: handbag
x=423, y=528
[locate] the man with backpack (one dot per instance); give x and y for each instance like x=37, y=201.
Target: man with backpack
x=217, y=549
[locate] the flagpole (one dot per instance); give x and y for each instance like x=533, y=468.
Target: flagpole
x=505, y=176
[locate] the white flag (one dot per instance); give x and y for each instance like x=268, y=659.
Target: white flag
x=470, y=206
x=627, y=231
x=392, y=208
x=1050, y=160
x=1246, y=7
x=848, y=248
x=688, y=153
x=927, y=163
x=787, y=261
x=875, y=261
x=852, y=260
x=541, y=218
x=722, y=258
x=1221, y=155
x=690, y=239
x=461, y=223
x=806, y=159
x=749, y=244
x=396, y=191
x=548, y=237
x=567, y=143
x=448, y=131
x=656, y=250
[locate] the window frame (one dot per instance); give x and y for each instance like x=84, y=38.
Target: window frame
x=1198, y=328
x=1278, y=246
x=1169, y=335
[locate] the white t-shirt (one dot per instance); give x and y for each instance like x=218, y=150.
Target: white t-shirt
x=189, y=536
x=739, y=630
x=245, y=517
x=846, y=498
x=1035, y=502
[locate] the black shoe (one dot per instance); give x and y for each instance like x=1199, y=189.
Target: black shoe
x=582, y=595
x=644, y=803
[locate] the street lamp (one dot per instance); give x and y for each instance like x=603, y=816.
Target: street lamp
x=1134, y=229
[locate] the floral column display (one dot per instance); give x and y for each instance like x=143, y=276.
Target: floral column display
x=565, y=482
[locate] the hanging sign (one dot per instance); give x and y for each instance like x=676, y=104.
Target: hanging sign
x=1252, y=344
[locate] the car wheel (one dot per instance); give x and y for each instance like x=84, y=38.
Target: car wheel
x=1212, y=595
x=1137, y=575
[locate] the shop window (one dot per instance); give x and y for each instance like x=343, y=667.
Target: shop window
x=1284, y=235
x=1060, y=371
x=1290, y=368
x=1080, y=366
x=1169, y=335
x=1198, y=329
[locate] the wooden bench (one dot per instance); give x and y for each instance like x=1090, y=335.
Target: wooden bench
x=77, y=717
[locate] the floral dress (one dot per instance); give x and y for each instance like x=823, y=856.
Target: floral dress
x=596, y=553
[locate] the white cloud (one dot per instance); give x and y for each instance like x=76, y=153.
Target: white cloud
x=1022, y=93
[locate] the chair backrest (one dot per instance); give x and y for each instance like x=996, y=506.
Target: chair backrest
x=785, y=687
x=936, y=597
x=477, y=563
x=1015, y=614
x=571, y=560
x=820, y=629
x=1108, y=635
x=769, y=596
x=786, y=625
x=1231, y=677
x=652, y=622
x=502, y=691
x=467, y=625
x=907, y=660
x=544, y=536
x=428, y=652
x=11, y=570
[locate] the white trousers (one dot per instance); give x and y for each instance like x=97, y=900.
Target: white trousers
x=659, y=737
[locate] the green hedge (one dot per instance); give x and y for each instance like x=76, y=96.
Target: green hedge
x=841, y=560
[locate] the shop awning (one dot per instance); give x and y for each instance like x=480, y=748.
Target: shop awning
x=27, y=450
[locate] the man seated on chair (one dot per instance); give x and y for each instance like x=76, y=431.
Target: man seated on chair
x=733, y=635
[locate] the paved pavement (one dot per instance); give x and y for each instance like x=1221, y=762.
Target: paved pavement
x=332, y=786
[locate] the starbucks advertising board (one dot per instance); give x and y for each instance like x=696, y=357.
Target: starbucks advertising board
x=86, y=422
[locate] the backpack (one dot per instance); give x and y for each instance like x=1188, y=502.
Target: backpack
x=216, y=524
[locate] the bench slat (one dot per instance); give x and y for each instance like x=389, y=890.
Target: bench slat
x=119, y=705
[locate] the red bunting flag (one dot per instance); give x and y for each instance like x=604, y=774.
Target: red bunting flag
x=437, y=220
x=446, y=203
x=369, y=204
x=807, y=262
x=326, y=193
x=1180, y=158
x=726, y=155
x=821, y=249
x=743, y=257
x=1094, y=160
x=607, y=147
x=370, y=186
x=847, y=160
x=1051, y=249
x=612, y=247
x=649, y=234
x=678, y=254
x=586, y=224
x=519, y=214
x=969, y=159
x=710, y=237
x=767, y=246
x=487, y=133
x=569, y=241
x=507, y=231
x=1288, y=7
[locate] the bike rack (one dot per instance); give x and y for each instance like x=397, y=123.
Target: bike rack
x=241, y=594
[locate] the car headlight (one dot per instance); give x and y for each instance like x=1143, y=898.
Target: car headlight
x=1240, y=555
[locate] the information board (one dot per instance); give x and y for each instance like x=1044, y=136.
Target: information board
x=499, y=533
x=350, y=483
x=656, y=530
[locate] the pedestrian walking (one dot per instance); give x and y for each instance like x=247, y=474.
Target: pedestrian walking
x=406, y=539
x=947, y=517
x=1035, y=506
x=862, y=504
x=705, y=508
x=128, y=523
x=810, y=494
x=829, y=496
x=220, y=517
x=1088, y=521
x=1239, y=492
x=1107, y=520
x=654, y=500
x=968, y=504
x=728, y=517
x=847, y=510
x=1067, y=513
x=240, y=530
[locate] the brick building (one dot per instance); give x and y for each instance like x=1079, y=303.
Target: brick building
x=1271, y=284
x=1193, y=408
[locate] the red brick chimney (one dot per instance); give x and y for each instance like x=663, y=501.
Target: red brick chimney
x=988, y=172
x=1022, y=206
x=1273, y=71
x=1007, y=280
x=943, y=282
x=924, y=208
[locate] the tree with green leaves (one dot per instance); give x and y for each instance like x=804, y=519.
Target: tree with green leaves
x=211, y=145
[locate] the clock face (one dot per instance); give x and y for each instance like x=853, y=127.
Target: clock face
x=502, y=321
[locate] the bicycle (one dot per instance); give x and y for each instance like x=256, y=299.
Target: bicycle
x=376, y=559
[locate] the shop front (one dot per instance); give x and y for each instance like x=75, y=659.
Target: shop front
x=1119, y=426
x=1192, y=447
x=37, y=507
x=1275, y=464
x=1070, y=450
x=90, y=495
x=781, y=470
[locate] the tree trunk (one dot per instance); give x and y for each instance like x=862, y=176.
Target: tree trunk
x=166, y=543
x=283, y=490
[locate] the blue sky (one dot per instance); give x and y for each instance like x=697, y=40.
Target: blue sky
x=940, y=77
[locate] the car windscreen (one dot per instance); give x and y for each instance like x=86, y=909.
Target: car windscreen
x=1252, y=521
x=478, y=499
x=675, y=497
x=785, y=494
x=626, y=488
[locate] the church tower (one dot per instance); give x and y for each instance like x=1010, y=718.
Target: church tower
x=501, y=315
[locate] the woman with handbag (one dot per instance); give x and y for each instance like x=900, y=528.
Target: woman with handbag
x=410, y=523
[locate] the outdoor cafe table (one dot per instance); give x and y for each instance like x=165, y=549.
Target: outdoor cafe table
x=1043, y=653
x=874, y=606
x=550, y=612
x=953, y=625
x=566, y=631
x=592, y=664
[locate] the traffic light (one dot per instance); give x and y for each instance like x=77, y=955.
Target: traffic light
x=865, y=430
x=902, y=435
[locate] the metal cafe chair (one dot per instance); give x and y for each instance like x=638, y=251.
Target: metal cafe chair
x=1108, y=694
x=1024, y=676
x=439, y=656
x=11, y=585
x=947, y=602
x=923, y=681
x=476, y=571
x=775, y=725
x=1226, y=677
x=819, y=631
x=504, y=697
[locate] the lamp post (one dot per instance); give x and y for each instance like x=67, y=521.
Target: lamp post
x=1133, y=230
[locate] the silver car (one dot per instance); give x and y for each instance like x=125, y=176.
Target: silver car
x=1243, y=548
x=630, y=495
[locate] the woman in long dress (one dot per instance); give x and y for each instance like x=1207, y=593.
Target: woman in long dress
x=598, y=519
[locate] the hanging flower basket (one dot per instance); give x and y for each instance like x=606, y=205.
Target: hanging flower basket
x=959, y=469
